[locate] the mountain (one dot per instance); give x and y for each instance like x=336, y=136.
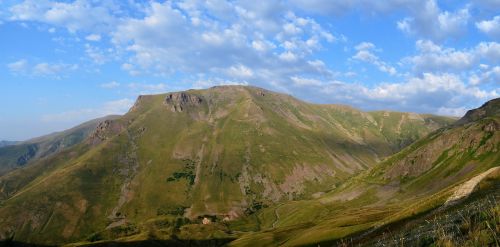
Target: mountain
x=427, y=177
x=225, y=155
x=7, y=143
x=488, y=109
x=20, y=154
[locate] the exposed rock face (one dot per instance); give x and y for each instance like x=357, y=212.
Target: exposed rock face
x=178, y=102
x=30, y=153
x=103, y=130
x=481, y=138
x=137, y=103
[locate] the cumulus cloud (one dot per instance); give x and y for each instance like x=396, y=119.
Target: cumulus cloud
x=423, y=18
x=490, y=27
x=259, y=40
x=434, y=58
x=432, y=93
x=275, y=44
x=74, y=16
x=364, y=53
x=429, y=21
x=486, y=75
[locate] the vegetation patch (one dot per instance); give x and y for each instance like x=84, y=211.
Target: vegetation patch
x=186, y=173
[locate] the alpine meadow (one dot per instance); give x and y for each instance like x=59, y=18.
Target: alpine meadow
x=239, y=123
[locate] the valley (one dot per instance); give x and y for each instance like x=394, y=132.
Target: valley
x=244, y=166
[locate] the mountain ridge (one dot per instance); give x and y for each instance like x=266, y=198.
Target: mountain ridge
x=216, y=154
x=20, y=154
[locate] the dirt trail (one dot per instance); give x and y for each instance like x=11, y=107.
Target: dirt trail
x=276, y=215
x=465, y=189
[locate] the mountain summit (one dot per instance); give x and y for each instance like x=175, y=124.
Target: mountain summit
x=223, y=153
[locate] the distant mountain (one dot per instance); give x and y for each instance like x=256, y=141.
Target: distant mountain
x=20, y=154
x=7, y=143
x=225, y=154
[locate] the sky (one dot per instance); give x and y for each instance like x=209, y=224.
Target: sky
x=66, y=62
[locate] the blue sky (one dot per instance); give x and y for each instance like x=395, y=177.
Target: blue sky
x=65, y=62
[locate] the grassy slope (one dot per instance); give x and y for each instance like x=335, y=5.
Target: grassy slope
x=222, y=156
x=25, y=153
x=417, y=179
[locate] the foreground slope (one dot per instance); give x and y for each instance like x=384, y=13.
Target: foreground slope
x=435, y=172
x=224, y=153
x=15, y=155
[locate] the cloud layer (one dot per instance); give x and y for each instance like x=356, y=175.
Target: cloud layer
x=292, y=46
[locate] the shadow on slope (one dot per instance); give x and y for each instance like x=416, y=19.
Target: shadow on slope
x=172, y=242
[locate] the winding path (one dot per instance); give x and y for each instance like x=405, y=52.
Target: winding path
x=465, y=189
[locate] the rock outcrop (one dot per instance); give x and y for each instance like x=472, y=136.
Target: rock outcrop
x=104, y=130
x=179, y=102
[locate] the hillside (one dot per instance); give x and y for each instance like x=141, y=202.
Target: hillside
x=7, y=143
x=226, y=153
x=20, y=154
x=437, y=171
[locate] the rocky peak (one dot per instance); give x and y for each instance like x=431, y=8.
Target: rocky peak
x=488, y=109
x=178, y=102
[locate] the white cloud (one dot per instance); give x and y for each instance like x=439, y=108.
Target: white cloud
x=18, y=66
x=166, y=40
x=46, y=69
x=239, y=71
x=112, y=84
x=431, y=93
x=434, y=58
x=262, y=46
x=288, y=56
x=364, y=54
x=120, y=106
x=93, y=37
x=429, y=21
x=489, y=51
x=56, y=70
x=74, y=16
x=427, y=46
x=424, y=17
x=490, y=27
x=486, y=76
x=301, y=82
x=270, y=44
x=364, y=46
x=97, y=55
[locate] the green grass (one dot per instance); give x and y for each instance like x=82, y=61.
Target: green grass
x=191, y=164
